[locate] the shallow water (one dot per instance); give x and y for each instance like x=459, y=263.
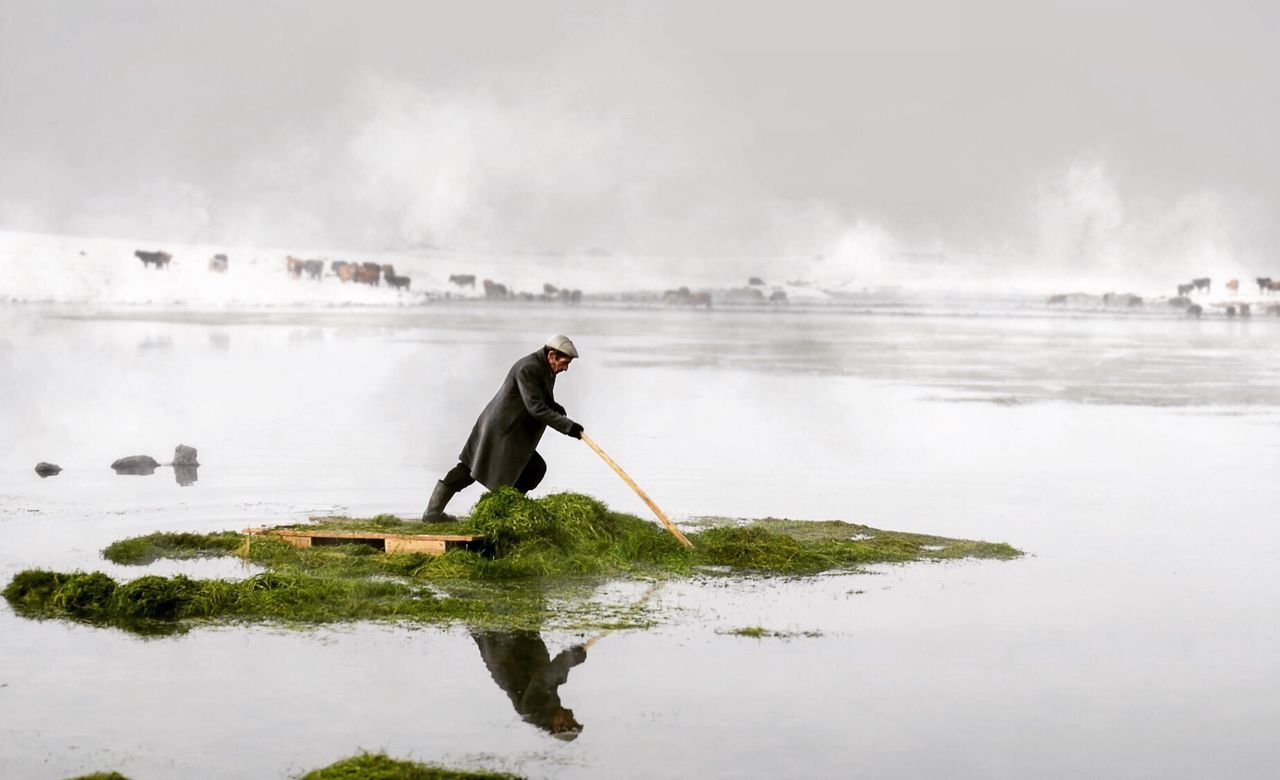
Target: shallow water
x=1132, y=457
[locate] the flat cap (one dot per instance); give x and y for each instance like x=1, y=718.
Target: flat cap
x=563, y=345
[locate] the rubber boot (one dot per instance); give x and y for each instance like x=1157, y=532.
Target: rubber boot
x=435, y=507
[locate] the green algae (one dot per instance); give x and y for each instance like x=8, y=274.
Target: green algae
x=379, y=766
x=541, y=561
x=760, y=632
x=101, y=776
x=140, y=550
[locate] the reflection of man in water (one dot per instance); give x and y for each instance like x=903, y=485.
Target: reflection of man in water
x=521, y=666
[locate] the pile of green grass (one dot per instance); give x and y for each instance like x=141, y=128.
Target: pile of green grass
x=149, y=604
x=537, y=556
x=378, y=766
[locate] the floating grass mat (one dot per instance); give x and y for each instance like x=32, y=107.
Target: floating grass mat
x=379, y=766
x=540, y=562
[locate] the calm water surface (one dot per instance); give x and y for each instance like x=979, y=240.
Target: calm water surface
x=1133, y=458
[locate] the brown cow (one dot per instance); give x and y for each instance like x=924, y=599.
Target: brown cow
x=369, y=273
x=218, y=264
x=294, y=266
x=1233, y=285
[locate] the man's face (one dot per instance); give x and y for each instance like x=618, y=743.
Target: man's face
x=559, y=362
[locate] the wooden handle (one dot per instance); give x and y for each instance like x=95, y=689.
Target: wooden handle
x=670, y=526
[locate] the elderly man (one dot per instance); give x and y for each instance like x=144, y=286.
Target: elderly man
x=501, y=450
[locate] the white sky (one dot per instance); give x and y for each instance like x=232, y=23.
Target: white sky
x=1086, y=130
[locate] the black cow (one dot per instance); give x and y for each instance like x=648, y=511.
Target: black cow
x=1264, y=284
x=158, y=259
x=1195, y=310
x=314, y=268
x=1201, y=283
x=463, y=280
x=1185, y=289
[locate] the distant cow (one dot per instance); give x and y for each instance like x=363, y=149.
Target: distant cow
x=1231, y=312
x=396, y=281
x=158, y=259
x=463, y=280
x=314, y=268
x=368, y=273
x=1057, y=299
x=1274, y=310
x=495, y=290
x=1264, y=283
x=1185, y=289
x=1274, y=285
x=294, y=266
x=778, y=296
x=1245, y=311
x=550, y=289
x=346, y=271
x=1195, y=310
x=1233, y=285
x=755, y=281
x=1201, y=283
x=218, y=264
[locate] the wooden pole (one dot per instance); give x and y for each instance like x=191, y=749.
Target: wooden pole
x=670, y=526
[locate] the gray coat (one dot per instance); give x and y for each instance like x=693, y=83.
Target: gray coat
x=510, y=427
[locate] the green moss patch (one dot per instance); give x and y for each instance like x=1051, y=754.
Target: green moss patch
x=378, y=766
x=541, y=562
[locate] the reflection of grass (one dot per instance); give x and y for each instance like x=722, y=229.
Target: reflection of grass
x=542, y=559
x=378, y=766
x=101, y=776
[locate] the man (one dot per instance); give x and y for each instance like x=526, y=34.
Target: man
x=501, y=450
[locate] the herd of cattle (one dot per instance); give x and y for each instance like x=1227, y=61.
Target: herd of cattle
x=1183, y=301
x=361, y=273
x=374, y=274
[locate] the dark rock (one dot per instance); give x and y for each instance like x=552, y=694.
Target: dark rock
x=47, y=469
x=137, y=465
x=184, y=456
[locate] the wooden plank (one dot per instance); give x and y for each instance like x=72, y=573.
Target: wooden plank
x=428, y=546
x=321, y=534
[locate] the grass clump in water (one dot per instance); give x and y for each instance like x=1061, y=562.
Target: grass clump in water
x=149, y=603
x=379, y=766
x=539, y=557
x=145, y=549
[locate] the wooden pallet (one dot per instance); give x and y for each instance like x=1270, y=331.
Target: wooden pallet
x=430, y=544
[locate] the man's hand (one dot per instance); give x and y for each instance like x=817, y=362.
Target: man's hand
x=575, y=431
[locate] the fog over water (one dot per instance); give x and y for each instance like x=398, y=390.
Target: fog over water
x=908, y=185
x=1001, y=141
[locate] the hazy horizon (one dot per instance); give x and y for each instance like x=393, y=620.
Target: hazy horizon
x=1112, y=139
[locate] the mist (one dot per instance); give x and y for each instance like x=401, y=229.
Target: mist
x=848, y=142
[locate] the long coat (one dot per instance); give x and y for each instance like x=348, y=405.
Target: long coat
x=519, y=663
x=510, y=427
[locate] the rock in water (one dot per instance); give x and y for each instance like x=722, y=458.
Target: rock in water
x=136, y=464
x=47, y=469
x=184, y=456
